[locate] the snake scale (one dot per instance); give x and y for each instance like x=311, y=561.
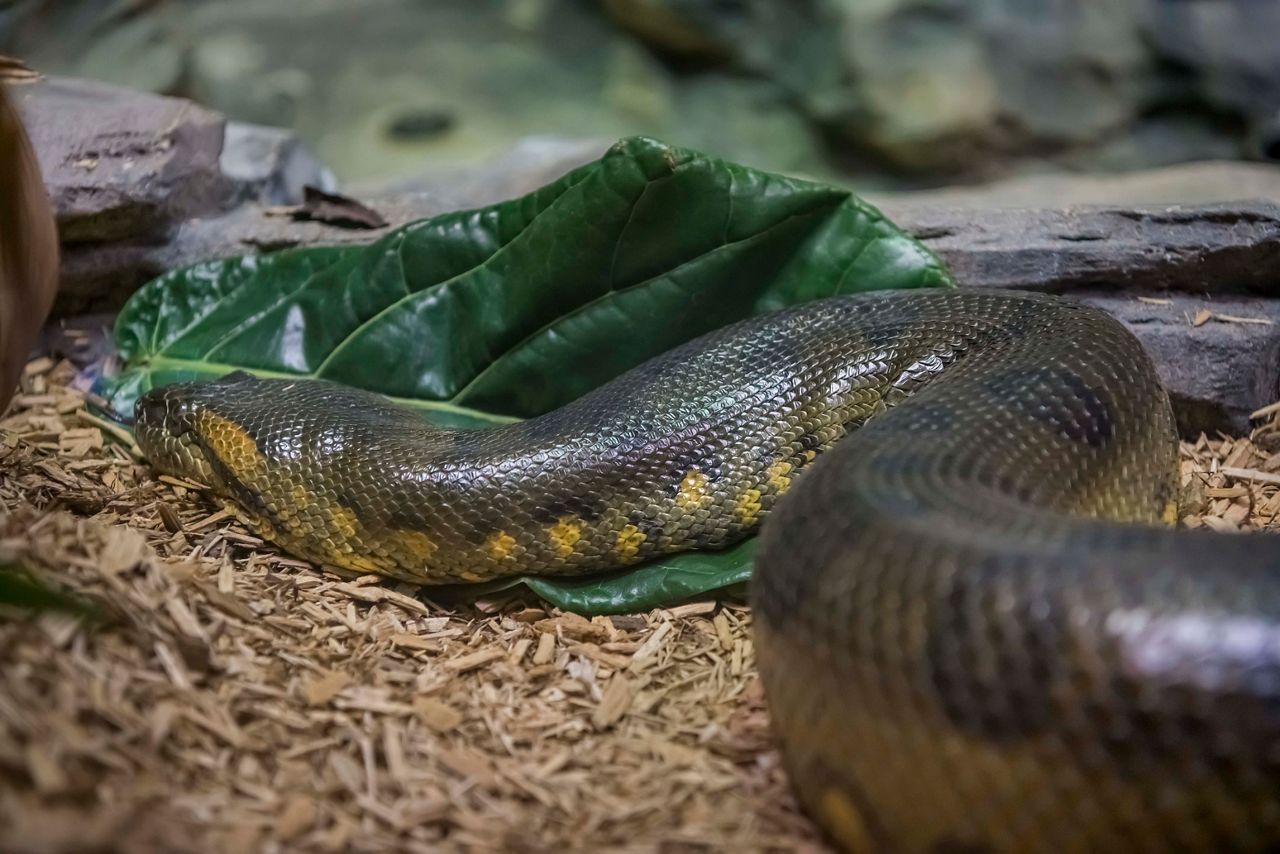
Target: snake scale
x=976, y=628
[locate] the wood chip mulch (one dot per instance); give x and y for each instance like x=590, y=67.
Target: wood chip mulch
x=237, y=700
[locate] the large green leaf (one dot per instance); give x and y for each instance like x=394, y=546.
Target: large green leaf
x=629, y=590
x=512, y=310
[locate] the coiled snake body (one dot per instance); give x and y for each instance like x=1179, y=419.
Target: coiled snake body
x=975, y=628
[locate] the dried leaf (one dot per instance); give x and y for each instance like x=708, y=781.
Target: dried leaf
x=336, y=209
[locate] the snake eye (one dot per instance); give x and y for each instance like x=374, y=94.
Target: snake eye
x=150, y=408
x=166, y=410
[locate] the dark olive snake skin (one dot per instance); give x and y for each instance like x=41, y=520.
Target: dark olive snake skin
x=975, y=628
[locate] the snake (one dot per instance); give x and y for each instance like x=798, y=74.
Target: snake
x=977, y=623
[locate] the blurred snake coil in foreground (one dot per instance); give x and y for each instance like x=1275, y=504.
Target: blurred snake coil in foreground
x=975, y=626
x=29, y=256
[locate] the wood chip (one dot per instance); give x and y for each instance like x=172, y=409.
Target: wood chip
x=615, y=702
x=320, y=691
x=227, y=602
x=574, y=627
x=440, y=717
x=649, y=649
x=546, y=650
x=723, y=631
x=123, y=549
x=470, y=765
x=693, y=609
x=298, y=815
x=1235, y=318
x=414, y=642
x=120, y=434
x=476, y=660
x=1201, y=317
x=169, y=517
x=1250, y=474
x=382, y=594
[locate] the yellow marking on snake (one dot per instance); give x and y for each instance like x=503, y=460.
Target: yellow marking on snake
x=693, y=492
x=232, y=445
x=748, y=506
x=809, y=456
x=845, y=821
x=415, y=544
x=501, y=546
x=252, y=521
x=344, y=521
x=564, y=535
x=365, y=563
x=778, y=476
x=1170, y=514
x=630, y=539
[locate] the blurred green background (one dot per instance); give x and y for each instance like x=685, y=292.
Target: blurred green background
x=884, y=94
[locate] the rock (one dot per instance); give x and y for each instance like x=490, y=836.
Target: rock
x=932, y=89
x=1220, y=248
x=271, y=165
x=1217, y=372
x=450, y=83
x=1201, y=182
x=954, y=87
x=687, y=28
x=1158, y=269
x=128, y=174
x=532, y=162
x=121, y=164
x=1227, y=54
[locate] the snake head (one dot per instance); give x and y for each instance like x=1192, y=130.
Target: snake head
x=170, y=425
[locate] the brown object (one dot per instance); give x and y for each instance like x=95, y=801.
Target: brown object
x=28, y=248
x=336, y=209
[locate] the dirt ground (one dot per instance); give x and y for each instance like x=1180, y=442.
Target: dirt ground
x=238, y=700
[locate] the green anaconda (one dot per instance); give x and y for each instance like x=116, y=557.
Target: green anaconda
x=975, y=626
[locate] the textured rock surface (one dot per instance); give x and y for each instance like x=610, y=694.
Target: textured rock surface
x=382, y=87
x=946, y=86
x=120, y=164
x=931, y=89
x=128, y=172
x=271, y=165
x=1211, y=248
x=1201, y=182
